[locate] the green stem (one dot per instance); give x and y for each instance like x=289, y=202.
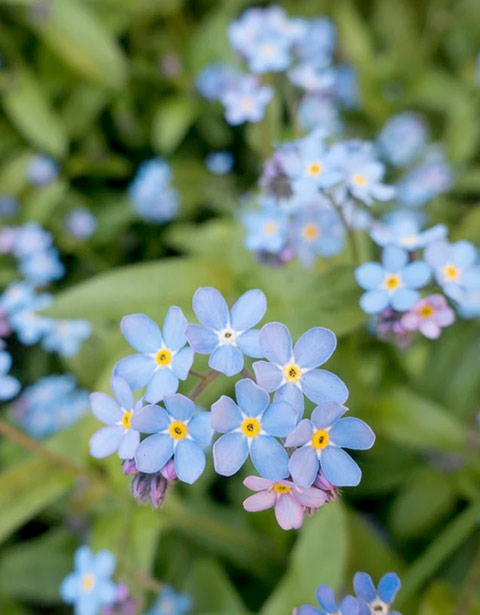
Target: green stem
x=203, y=384
x=352, y=236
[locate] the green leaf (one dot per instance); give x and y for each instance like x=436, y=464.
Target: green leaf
x=29, y=109
x=319, y=556
x=171, y=122
x=26, y=489
x=439, y=599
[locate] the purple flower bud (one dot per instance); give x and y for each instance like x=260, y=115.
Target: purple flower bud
x=140, y=488
x=168, y=470
x=129, y=467
x=158, y=489
x=322, y=483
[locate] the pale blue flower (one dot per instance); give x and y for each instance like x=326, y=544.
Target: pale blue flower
x=403, y=229
x=153, y=197
x=403, y=138
x=372, y=600
x=266, y=229
x=9, y=386
x=246, y=100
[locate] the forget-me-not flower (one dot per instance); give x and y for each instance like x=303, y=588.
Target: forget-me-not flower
x=266, y=229
x=403, y=138
x=153, y=197
x=214, y=79
x=225, y=334
x=171, y=603
x=66, y=336
x=250, y=427
x=41, y=169
x=429, y=315
x=292, y=371
x=403, y=229
x=376, y=601
x=246, y=100
x=321, y=440
x=9, y=386
x=431, y=177
x=81, y=223
x=328, y=604
x=219, y=163
x=163, y=358
x=317, y=232
x=393, y=283
x=178, y=432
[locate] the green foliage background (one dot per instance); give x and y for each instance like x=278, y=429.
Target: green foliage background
x=87, y=82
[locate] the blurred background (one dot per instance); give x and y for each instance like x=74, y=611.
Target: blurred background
x=99, y=86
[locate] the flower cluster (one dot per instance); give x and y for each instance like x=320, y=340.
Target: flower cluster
x=369, y=600
x=301, y=461
x=152, y=195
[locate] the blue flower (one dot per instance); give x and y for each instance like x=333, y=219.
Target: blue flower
x=266, y=229
x=372, y=600
x=403, y=138
x=328, y=604
x=8, y=206
x=171, y=603
x=317, y=111
x=312, y=77
x=9, y=386
x=117, y=414
x=402, y=228
x=163, y=359
x=318, y=40
x=317, y=232
x=42, y=267
x=89, y=587
x=30, y=239
x=246, y=100
x=81, y=223
x=291, y=372
x=214, y=79
x=226, y=334
x=347, y=91
x=151, y=192
x=29, y=326
x=66, y=336
x=250, y=427
x=431, y=177
x=393, y=283
x=455, y=267
x=178, y=432
x=270, y=53
x=41, y=169
x=321, y=440
x=219, y=163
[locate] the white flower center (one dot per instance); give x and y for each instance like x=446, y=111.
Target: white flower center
x=227, y=336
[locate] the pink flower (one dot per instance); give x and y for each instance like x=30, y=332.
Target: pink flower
x=290, y=501
x=429, y=316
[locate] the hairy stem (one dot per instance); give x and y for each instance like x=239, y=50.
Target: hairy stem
x=206, y=379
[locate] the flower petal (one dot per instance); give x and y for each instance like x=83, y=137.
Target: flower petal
x=290, y=393
x=349, y=606
x=279, y=419
x=268, y=375
x=416, y=275
x=182, y=362
x=269, y=457
x=189, y=461
x=106, y=441
x=310, y=496
x=249, y=343
x=248, y=310
x=142, y=333
x=463, y=253
x=201, y=339
x=251, y=398
x=364, y=587
x=230, y=453
x=105, y=408
x=200, y=428
x=150, y=419
x=301, y=434
x=137, y=370
x=306, y=609
x=129, y=444
x=388, y=587
x=70, y=588
x=352, y=433
x=104, y=563
x=303, y=466
x=314, y=347
x=226, y=359
x=289, y=512
x=374, y=301
x=276, y=343
x=369, y=275
x=326, y=599
x=403, y=299
x=179, y=406
x=122, y=392
x=256, y=483
x=211, y=308
x=394, y=258
x=325, y=415
x=260, y=501
x=174, y=328
x=321, y=386
x=225, y=415
x=339, y=468
x=153, y=453
x=164, y=382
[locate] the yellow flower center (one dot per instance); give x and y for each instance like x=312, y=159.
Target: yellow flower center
x=392, y=282
x=314, y=169
x=247, y=103
x=268, y=51
x=250, y=427
x=163, y=357
x=88, y=582
x=292, y=373
x=126, y=418
x=178, y=430
x=359, y=180
x=426, y=311
x=451, y=272
x=311, y=231
x=320, y=439
x=409, y=240
x=279, y=488
x=270, y=228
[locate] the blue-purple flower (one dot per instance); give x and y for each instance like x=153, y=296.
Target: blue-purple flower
x=225, y=334
x=246, y=100
x=153, y=197
x=393, y=283
x=372, y=600
x=171, y=603
x=66, y=336
x=9, y=386
x=266, y=229
x=328, y=604
x=117, y=415
x=321, y=440
x=403, y=229
x=317, y=232
x=250, y=427
x=403, y=138
x=292, y=371
x=179, y=432
x=163, y=358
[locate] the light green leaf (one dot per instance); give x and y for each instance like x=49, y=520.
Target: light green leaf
x=171, y=122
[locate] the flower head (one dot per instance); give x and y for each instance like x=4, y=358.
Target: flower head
x=266, y=229
x=66, y=336
x=328, y=604
x=403, y=230
x=171, y=603
x=41, y=169
x=374, y=601
x=429, y=316
x=151, y=192
x=403, y=138
x=250, y=427
x=9, y=386
x=245, y=100
x=317, y=232
x=219, y=163
x=81, y=223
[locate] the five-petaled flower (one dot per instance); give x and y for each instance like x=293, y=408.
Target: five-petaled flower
x=321, y=440
x=250, y=427
x=429, y=316
x=163, y=360
x=373, y=601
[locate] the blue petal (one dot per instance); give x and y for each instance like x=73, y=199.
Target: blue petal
x=349, y=606
x=226, y=359
x=174, y=328
x=279, y=419
x=153, y=453
x=5, y=362
x=142, y=333
x=105, y=408
x=394, y=258
x=301, y=434
x=151, y=419
x=182, y=362
x=179, y=406
x=248, y=310
x=416, y=275
x=374, y=301
x=251, y=398
x=189, y=461
x=70, y=588
x=321, y=386
x=325, y=415
x=129, y=444
x=369, y=275
x=230, y=453
x=268, y=375
x=352, y=433
x=106, y=441
x=306, y=609
x=137, y=370
x=269, y=458
x=201, y=339
x=403, y=299
x=83, y=559
x=364, y=587
x=107, y=592
x=200, y=428
x=364, y=609
x=122, y=392
x=104, y=563
x=226, y=415
x=314, y=347
x=303, y=466
x=326, y=599
x=163, y=382
x=211, y=308
x=388, y=587
x=9, y=387
x=436, y=254
x=276, y=343
x=471, y=278
x=463, y=254
x=339, y=468
x=293, y=395
x=249, y=343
